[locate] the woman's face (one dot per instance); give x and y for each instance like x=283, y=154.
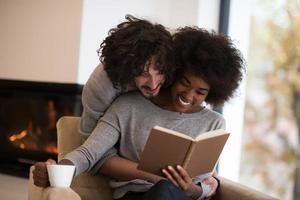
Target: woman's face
x=188, y=93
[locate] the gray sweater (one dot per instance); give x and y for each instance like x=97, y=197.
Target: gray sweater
x=129, y=120
x=97, y=95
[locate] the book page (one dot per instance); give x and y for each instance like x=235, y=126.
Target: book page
x=163, y=149
x=169, y=131
x=211, y=134
x=206, y=154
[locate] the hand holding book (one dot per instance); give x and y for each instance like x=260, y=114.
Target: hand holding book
x=166, y=147
x=179, y=177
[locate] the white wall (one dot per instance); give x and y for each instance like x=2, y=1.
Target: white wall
x=40, y=39
x=56, y=40
x=101, y=15
x=234, y=110
x=208, y=14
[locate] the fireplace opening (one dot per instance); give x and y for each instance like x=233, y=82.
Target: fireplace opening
x=28, y=115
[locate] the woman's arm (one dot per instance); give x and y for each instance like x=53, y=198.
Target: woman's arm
x=125, y=170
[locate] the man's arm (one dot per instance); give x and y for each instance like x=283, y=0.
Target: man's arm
x=97, y=95
x=125, y=170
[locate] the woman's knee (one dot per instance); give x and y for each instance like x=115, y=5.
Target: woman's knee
x=165, y=190
x=165, y=185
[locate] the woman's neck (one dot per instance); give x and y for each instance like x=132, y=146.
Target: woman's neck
x=164, y=100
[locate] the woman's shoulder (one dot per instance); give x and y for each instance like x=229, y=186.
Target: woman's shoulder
x=212, y=113
x=209, y=115
x=213, y=117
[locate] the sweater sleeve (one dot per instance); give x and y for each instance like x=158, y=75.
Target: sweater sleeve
x=97, y=95
x=103, y=138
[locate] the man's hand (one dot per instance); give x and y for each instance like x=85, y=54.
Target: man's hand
x=40, y=174
x=181, y=179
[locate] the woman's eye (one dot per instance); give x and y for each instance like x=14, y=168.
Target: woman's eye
x=183, y=83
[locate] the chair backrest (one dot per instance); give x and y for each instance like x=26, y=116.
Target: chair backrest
x=68, y=136
x=87, y=186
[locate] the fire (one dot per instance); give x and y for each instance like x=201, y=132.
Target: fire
x=32, y=137
x=18, y=136
x=51, y=149
x=26, y=140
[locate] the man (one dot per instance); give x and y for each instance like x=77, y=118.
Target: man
x=136, y=55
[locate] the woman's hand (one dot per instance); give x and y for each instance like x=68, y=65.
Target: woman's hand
x=213, y=184
x=40, y=174
x=181, y=179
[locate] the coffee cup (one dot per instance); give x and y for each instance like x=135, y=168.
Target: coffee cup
x=60, y=175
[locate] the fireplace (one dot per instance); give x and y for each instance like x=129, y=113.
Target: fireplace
x=28, y=115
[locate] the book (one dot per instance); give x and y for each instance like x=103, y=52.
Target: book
x=165, y=147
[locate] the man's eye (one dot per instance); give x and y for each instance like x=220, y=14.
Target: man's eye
x=145, y=74
x=158, y=64
x=200, y=93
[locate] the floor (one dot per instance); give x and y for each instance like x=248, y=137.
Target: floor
x=13, y=188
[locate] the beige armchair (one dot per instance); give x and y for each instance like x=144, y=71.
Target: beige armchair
x=88, y=187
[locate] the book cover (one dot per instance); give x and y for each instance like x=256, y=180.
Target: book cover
x=167, y=147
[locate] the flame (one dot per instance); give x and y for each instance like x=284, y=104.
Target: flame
x=22, y=146
x=18, y=136
x=51, y=149
x=26, y=140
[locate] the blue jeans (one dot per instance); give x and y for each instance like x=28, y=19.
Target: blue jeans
x=163, y=190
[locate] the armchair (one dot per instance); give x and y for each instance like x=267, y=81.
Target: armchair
x=88, y=187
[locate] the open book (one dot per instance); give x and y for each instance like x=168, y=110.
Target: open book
x=167, y=147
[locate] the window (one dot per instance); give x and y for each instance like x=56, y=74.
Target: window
x=268, y=34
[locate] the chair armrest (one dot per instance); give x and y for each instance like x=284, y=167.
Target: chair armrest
x=86, y=185
x=55, y=193
x=34, y=192
x=232, y=190
x=49, y=193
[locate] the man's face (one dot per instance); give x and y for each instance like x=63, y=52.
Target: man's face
x=150, y=81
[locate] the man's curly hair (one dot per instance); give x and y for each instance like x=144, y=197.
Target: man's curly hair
x=213, y=58
x=128, y=47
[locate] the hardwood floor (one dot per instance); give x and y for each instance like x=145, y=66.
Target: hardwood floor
x=13, y=188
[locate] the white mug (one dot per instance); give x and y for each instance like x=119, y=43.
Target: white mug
x=60, y=175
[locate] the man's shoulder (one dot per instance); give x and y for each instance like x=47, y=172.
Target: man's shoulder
x=129, y=98
x=126, y=104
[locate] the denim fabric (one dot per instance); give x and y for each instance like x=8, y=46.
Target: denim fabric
x=163, y=190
